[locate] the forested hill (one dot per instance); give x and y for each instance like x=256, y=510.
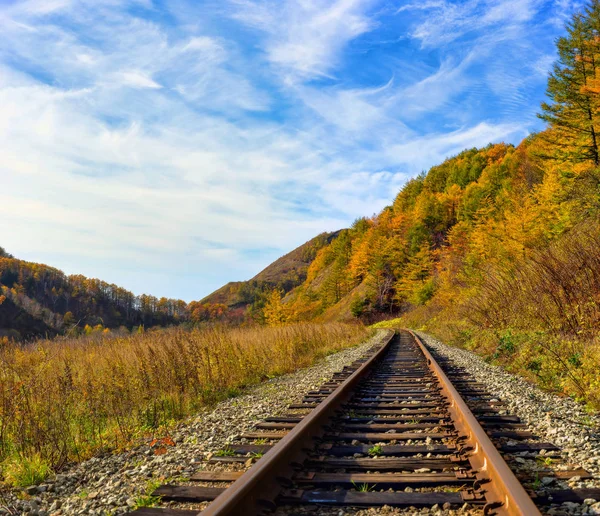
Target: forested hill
x=36, y=300
x=497, y=249
x=39, y=300
x=484, y=211
x=245, y=300
x=446, y=230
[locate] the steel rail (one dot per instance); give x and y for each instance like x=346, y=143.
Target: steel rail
x=504, y=493
x=256, y=489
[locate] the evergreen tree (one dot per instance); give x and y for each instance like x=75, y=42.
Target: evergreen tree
x=573, y=110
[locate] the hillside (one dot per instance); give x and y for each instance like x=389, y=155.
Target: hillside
x=495, y=249
x=284, y=274
x=39, y=300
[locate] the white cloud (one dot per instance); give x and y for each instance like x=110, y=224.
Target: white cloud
x=305, y=38
x=448, y=21
x=420, y=152
x=148, y=153
x=138, y=79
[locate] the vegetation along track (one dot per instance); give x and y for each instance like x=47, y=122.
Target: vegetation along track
x=391, y=429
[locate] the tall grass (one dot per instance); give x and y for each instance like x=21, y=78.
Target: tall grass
x=65, y=400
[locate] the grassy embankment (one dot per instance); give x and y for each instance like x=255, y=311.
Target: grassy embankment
x=538, y=316
x=65, y=400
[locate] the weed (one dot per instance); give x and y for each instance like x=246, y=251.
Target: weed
x=537, y=483
x=454, y=489
x=87, y=395
x=376, y=451
x=260, y=441
x=146, y=501
x=548, y=461
x=25, y=471
x=225, y=452
x=364, y=488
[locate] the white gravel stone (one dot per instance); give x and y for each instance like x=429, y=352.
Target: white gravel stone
x=559, y=420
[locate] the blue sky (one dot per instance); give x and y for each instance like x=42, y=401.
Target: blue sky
x=172, y=146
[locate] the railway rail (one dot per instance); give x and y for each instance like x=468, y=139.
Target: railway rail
x=391, y=429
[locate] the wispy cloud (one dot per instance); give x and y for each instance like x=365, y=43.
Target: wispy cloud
x=305, y=38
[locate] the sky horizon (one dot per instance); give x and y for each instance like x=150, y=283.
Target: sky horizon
x=172, y=147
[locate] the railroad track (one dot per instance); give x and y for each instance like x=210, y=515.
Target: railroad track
x=391, y=429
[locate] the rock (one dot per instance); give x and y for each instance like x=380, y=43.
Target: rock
x=31, y=490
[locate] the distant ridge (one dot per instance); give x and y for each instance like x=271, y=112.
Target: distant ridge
x=285, y=273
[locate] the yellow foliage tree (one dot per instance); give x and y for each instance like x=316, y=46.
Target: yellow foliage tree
x=275, y=311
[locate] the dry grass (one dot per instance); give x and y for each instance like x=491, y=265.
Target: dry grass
x=66, y=400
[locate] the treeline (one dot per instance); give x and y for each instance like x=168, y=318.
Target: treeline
x=386, y=264
x=244, y=302
x=62, y=301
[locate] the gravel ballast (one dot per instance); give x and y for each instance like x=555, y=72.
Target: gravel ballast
x=558, y=420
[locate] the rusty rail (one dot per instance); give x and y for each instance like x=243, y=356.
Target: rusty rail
x=252, y=491
x=505, y=493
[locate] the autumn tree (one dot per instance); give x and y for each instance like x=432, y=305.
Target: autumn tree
x=275, y=311
x=573, y=91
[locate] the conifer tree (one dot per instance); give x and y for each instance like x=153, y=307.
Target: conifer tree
x=573, y=111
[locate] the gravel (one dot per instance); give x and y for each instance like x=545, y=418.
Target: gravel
x=113, y=484
x=559, y=420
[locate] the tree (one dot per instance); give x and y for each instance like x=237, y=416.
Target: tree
x=69, y=319
x=275, y=311
x=573, y=90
